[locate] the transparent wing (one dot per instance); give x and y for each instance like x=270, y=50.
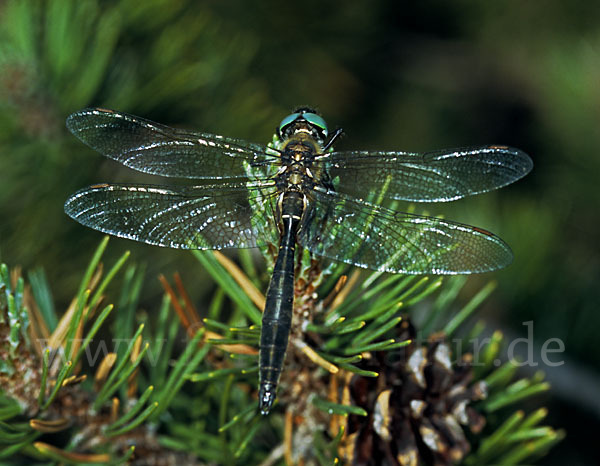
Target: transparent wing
x=198, y=217
x=160, y=150
x=372, y=237
x=437, y=176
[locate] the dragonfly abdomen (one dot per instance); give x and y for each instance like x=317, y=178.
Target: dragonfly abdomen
x=277, y=317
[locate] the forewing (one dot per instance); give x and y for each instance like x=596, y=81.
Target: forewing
x=160, y=150
x=437, y=176
x=198, y=217
x=373, y=237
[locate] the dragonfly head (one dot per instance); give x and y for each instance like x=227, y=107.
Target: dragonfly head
x=303, y=120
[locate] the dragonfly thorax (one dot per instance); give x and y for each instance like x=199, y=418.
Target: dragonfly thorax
x=299, y=150
x=297, y=158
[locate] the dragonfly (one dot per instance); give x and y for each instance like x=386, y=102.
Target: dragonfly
x=295, y=191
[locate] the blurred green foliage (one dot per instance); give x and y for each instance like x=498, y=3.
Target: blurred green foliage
x=394, y=75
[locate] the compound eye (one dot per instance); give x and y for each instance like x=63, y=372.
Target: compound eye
x=317, y=121
x=288, y=120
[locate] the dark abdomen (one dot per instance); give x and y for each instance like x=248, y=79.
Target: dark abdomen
x=277, y=317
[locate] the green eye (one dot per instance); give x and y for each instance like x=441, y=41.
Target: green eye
x=311, y=118
x=316, y=120
x=288, y=120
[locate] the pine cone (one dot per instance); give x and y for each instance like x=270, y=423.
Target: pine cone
x=417, y=406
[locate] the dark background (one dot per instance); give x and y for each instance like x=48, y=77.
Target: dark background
x=395, y=75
